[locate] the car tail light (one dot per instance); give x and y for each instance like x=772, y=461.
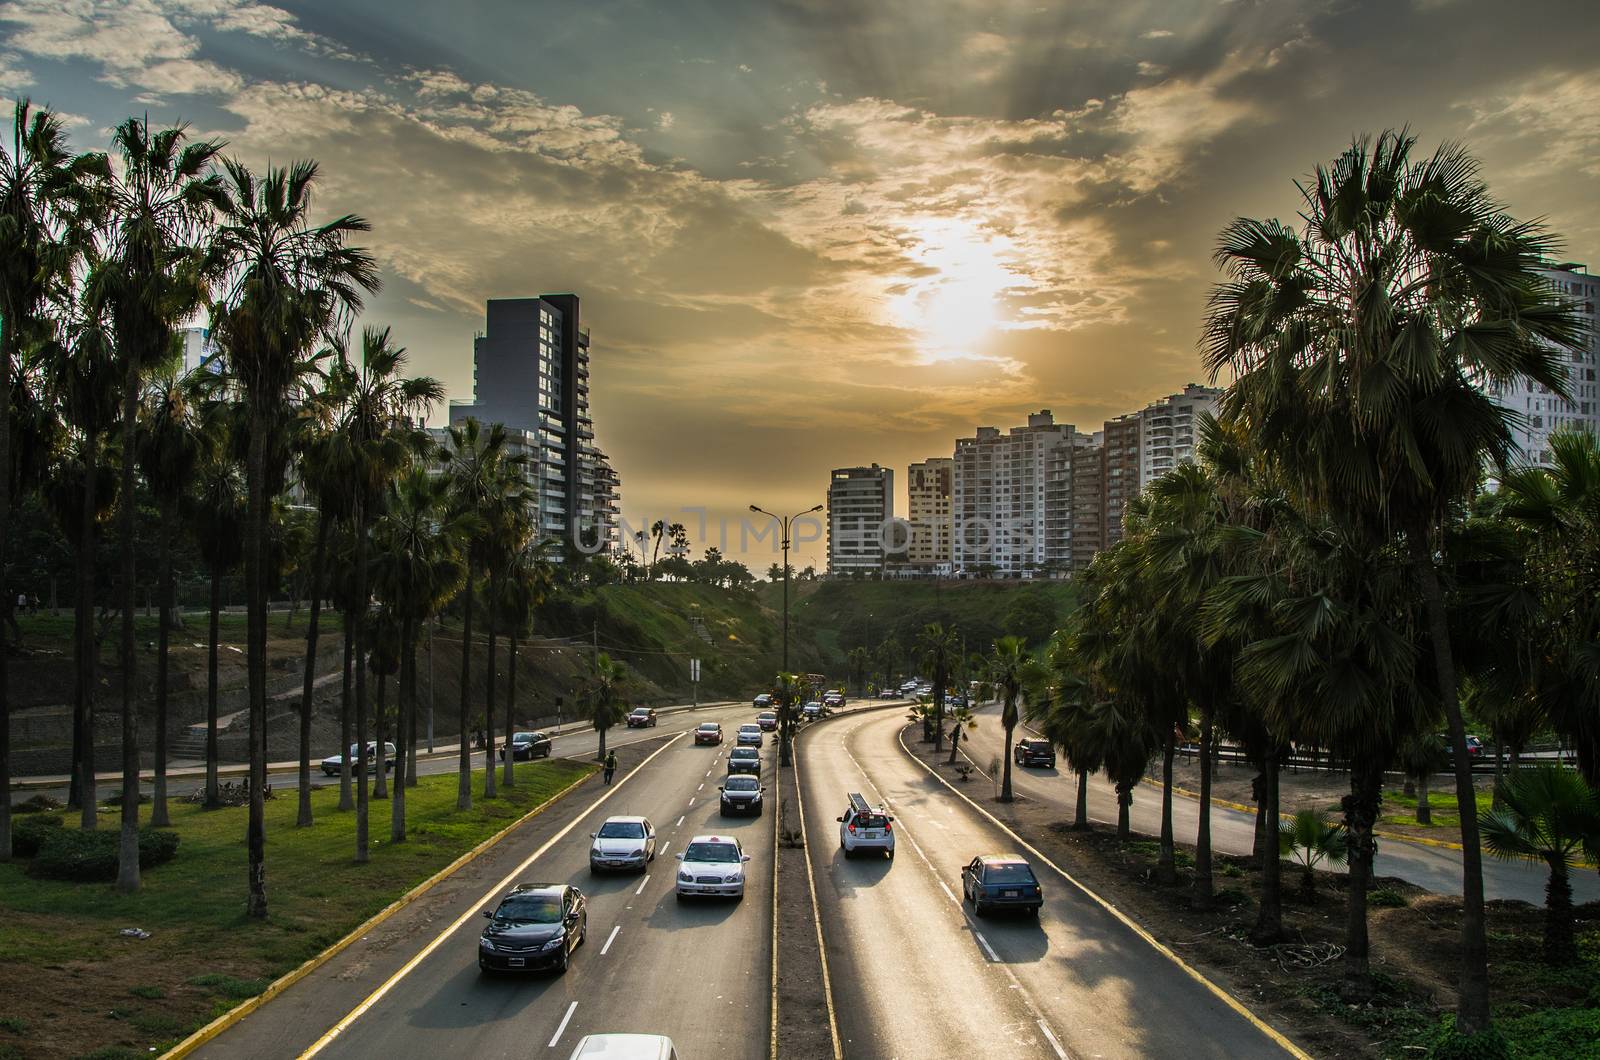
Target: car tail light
x=887, y=827
x=852, y=828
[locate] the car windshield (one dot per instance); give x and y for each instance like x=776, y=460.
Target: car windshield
x=741, y=784
x=640, y=713
x=523, y=737
x=1014, y=872
x=723, y=852
x=768, y=716
x=622, y=830
x=749, y=728
x=710, y=726
x=744, y=754
x=530, y=909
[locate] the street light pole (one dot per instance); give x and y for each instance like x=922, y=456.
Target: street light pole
x=785, y=725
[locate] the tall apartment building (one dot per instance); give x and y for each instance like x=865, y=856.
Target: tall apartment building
x=1010, y=501
x=928, y=494
x=1539, y=411
x=1167, y=430
x=531, y=373
x=860, y=508
x=1120, y=465
x=1087, y=497
x=199, y=351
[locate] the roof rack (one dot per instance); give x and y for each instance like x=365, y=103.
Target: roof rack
x=859, y=803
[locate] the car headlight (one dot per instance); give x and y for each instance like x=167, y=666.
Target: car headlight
x=638, y=853
x=684, y=877
x=486, y=944
x=735, y=878
x=554, y=943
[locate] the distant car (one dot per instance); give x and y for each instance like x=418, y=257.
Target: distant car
x=864, y=826
x=642, y=717
x=712, y=865
x=528, y=745
x=708, y=732
x=622, y=843
x=749, y=735
x=1032, y=752
x=744, y=760
x=811, y=711
x=888, y=693
x=535, y=926
x=768, y=721
x=763, y=701
x=1474, y=746
x=333, y=764
x=1000, y=881
x=741, y=793
x=834, y=700
x=625, y=1047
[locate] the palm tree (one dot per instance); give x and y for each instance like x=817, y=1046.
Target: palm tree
x=791, y=690
x=45, y=192
x=1420, y=757
x=938, y=650
x=859, y=659
x=1356, y=338
x=1312, y=839
x=507, y=525
x=291, y=286
x=1547, y=814
x=1011, y=670
x=962, y=717
x=1123, y=740
x=528, y=581
x=604, y=695
x=170, y=450
x=1065, y=716
x=474, y=463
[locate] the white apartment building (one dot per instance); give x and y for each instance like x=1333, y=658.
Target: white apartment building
x=1167, y=430
x=1011, y=504
x=1538, y=412
x=929, y=486
x=860, y=513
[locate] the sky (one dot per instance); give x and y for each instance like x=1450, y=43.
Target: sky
x=811, y=234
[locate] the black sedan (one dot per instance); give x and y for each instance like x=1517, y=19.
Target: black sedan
x=526, y=745
x=1034, y=753
x=534, y=928
x=1000, y=881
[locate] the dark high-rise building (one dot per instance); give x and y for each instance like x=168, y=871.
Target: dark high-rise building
x=531, y=373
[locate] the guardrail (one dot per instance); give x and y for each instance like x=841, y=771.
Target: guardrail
x=1483, y=765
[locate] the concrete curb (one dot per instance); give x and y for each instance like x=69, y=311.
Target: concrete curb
x=228, y=1019
x=1194, y=973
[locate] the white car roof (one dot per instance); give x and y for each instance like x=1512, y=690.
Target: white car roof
x=624, y=1047
x=718, y=839
x=627, y=818
x=748, y=725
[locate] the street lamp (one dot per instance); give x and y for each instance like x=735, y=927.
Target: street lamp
x=784, y=522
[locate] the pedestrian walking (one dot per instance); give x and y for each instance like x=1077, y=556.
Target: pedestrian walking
x=611, y=766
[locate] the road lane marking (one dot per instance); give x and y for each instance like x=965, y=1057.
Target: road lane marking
x=1054, y=1044
x=986, y=947
x=472, y=910
x=691, y=801
x=665, y=845
x=708, y=772
x=701, y=787
x=642, y=883
x=563, y=1028
x=680, y=823
x=948, y=892
x=609, y=940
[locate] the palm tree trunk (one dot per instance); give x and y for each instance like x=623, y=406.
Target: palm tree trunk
x=303, y=820
x=7, y=342
x=397, y=804
x=359, y=613
x=1166, y=867
x=1005, y=766
x=158, y=808
x=1203, y=885
x=346, y=795
x=1124, y=801
x=1269, y=916
x=213, y=798
x=488, y=691
x=1424, y=810
x=380, y=780
x=128, y=846
x=1472, y=989
x=1080, y=817
x=256, y=659
x=411, y=714
x=1360, y=813
x=511, y=704
x=464, y=790
x=1258, y=795
x=940, y=680
x=1560, y=948
x=84, y=627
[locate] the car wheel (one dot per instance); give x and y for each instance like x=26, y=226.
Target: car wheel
x=680, y=896
x=583, y=932
x=566, y=962
x=847, y=851
x=891, y=853
x=594, y=870
x=979, y=909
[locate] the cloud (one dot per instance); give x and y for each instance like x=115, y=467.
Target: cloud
x=1156, y=34
x=134, y=43
x=13, y=75
x=1554, y=117
x=665, y=120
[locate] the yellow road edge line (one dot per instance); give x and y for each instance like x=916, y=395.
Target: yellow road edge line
x=205, y=1034
x=377, y=994
x=1193, y=972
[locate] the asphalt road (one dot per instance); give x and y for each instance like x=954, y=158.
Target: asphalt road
x=1232, y=832
x=914, y=973
x=696, y=971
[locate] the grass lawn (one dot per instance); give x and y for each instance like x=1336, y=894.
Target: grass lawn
x=1401, y=809
x=70, y=984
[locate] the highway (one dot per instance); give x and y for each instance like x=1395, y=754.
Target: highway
x=1232, y=832
x=914, y=973
x=698, y=971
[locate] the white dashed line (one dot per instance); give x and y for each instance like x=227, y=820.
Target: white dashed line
x=609, y=940
x=691, y=800
x=664, y=847
x=563, y=1028
x=642, y=883
x=701, y=787
x=679, y=824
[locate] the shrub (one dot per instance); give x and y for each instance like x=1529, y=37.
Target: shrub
x=229, y=986
x=1447, y=1043
x=1387, y=898
x=31, y=832
x=78, y=856
x=1553, y=1032
x=36, y=804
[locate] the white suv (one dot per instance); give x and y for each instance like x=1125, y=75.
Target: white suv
x=865, y=827
x=712, y=865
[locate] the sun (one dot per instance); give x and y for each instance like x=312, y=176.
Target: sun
x=954, y=302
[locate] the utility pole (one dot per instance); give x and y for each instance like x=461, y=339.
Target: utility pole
x=785, y=708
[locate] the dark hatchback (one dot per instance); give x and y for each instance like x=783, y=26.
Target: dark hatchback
x=535, y=928
x=1000, y=881
x=1034, y=753
x=526, y=745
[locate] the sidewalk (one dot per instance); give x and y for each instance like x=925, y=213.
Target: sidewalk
x=189, y=769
